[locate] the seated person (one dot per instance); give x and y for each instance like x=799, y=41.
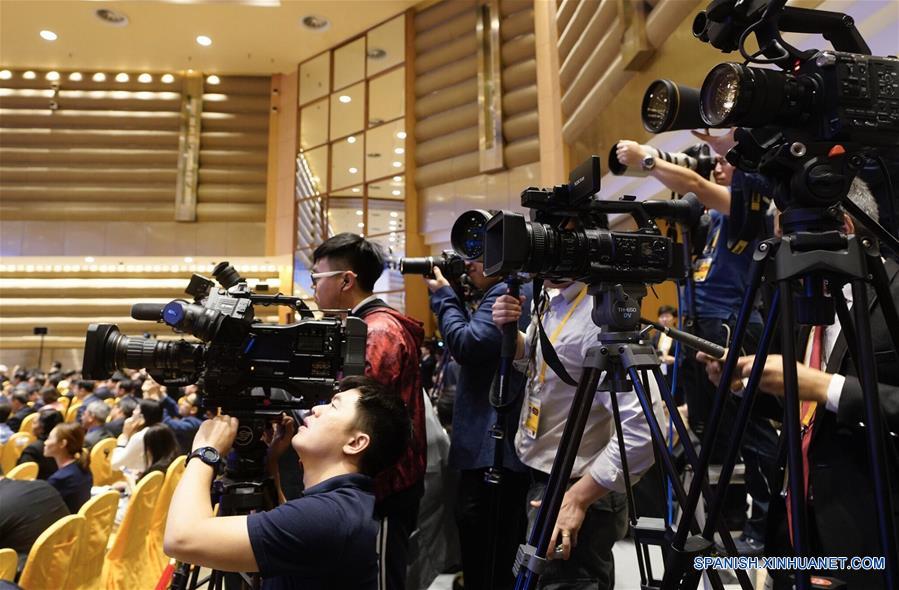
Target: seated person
x=50, y=399
x=160, y=448
x=187, y=423
x=93, y=419
x=20, y=409
x=121, y=411
x=327, y=537
x=73, y=477
x=27, y=508
x=129, y=451
x=34, y=452
x=5, y=430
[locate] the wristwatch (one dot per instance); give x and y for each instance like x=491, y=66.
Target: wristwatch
x=648, y=162
x=207, y=455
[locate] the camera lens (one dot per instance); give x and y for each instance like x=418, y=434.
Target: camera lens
x=107, y=350
x=721, y=94
x=467, y=235
x=668, y=106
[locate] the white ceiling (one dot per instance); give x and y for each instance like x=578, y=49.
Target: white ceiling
x=248, y=36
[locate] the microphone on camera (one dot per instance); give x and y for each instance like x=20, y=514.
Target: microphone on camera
x=148, y=312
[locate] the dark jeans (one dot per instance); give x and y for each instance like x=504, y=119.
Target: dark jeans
x=759, y=444
x=482, y=509
x=399, y=517
x=591, y=565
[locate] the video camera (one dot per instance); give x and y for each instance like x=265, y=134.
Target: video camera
x=451, y=265
x=238, y=360
x=568, y=235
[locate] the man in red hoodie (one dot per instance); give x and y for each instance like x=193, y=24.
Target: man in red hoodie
x=344, y=272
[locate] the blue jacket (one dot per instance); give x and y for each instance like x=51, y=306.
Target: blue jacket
x=185, y=429
x=475, y=342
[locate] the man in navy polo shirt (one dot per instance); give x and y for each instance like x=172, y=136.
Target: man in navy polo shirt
x=324, y=539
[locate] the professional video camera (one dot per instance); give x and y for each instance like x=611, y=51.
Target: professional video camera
x=239, y=360
x=697, y=157
x=567, y=237
x=450, y=264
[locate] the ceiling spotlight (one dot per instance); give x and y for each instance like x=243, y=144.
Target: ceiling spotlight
x=360, y=224
x=397, y=179
x=52, y=76
x=167, y=78
x=353, y=170
x=111, y=17
x=49, y=35
x=145, y=78
x=188, y=259
x=29, y=75
x=356, y=189
x=397, y=193
x=99, y=77
x=345, y=99
x=89, y=259
x=122, y=77
x=358, y=211
x=401, y=134
x=397, y=164
x=351, y=139
x=315, y=23
x=5, y=74
x=399, y=151
x=394, y=214
x=213, y=79
x=75, y=77
x=204, y=40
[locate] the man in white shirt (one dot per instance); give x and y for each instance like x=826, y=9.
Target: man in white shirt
x=593, y=514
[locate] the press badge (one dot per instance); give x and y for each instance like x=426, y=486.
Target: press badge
x=532, y=422
x=701, y=270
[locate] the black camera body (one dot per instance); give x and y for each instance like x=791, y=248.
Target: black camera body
x=451, y=265
x=238, y=361
x=568, y=236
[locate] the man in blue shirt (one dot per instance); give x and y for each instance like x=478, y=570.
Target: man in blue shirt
x=187, y=423
x=327, y=537
x=475, y=343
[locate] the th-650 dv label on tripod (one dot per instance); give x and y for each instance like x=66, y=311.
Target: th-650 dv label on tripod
x=820, y=564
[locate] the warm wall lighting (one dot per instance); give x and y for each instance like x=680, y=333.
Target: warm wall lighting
x=99, y=77
x=213, y=79
x=52, y=76
x=122, y=77
x=75, y=77
x=29, y=75
x=5, y=74
x=167, y=78
x=145, y=78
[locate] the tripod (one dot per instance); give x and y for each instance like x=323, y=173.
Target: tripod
x=813, y=248
x=626, y=362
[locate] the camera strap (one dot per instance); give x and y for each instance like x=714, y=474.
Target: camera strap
x=550, y=357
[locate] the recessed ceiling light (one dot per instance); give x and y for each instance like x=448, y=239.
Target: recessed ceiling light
x=397, y=179
x=315, y=23
x=213, y=79
x=188, y=259
x=89, y=259
x=52, y=76
x=394, y=214
x=145, y=78
x=122, y=77
x=360, y=224
x=357, y=189
x=204, y=40
x=396, y=193
x=75, y=77
x=29, y=75
x=358, y=211
x=401, y=134
x=167, y=78
x=353, y=170
x=111, y=17
x=399, y=151
x=397, y=164
x=99, y=77
x=351, y=139
x=5, y=74
x=49, y=35
x=345, y=99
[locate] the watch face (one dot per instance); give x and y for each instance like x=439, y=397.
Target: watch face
x=210, y=454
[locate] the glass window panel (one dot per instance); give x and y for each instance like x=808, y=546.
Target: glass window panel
x=349, y=63
x=386, y=217
x=315, y=78
x=347, y=163
x=310, y=223
x=386, y=45
x=385, y=150
x=350, y=191
x=345, y=214
x=388, y=188
x=348, y=111
x=314, y=124
x=386, y=99
x=312, y=172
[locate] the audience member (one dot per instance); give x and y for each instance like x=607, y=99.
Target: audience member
x=46, y=421
x=94, y=422
x=50, y=399
x=152, y=390
x=129, y=452
x=20, y=409
x=27, y=508
x=5, y=430
x=160, y=448
x=73, y=479
x=185, y=426
x=121, y=411
x=126, y=387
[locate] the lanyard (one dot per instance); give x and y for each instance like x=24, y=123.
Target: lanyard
x=555, y=335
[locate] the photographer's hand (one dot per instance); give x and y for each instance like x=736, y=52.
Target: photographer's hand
x=218, y=433
x=506, y=310
x=629, y=153
x=438, y=282
x=720, y=143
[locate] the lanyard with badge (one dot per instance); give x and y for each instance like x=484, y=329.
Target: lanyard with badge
x=532, y=421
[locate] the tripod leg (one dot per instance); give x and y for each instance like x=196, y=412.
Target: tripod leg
x=867, y=375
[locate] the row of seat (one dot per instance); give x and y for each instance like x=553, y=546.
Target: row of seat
x=72, y=553
x=100, y=466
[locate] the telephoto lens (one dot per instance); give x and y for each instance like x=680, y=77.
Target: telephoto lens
x=736, y=95
x=107, y=350
x=668, y=106
x=451, y=265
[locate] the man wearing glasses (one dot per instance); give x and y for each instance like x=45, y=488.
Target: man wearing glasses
x=344, y=272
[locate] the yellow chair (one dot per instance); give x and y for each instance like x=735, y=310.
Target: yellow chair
x=99, y=514
x=8, y=562
x=24, y=472
x=72, y=412
x=126, y=566
x=110, y=401
x=161, y=513
x=48, y=563
x=13, y=448
x=65, y=402
x=101, y=469
x=28, y=423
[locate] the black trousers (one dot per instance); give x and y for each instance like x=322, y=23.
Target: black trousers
x=482, y=510
x=399, y=517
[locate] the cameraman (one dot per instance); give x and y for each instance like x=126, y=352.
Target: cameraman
x=720, y=281
x=344, y=272
x=475, y=343
x=593, y=513
x=324, y=539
